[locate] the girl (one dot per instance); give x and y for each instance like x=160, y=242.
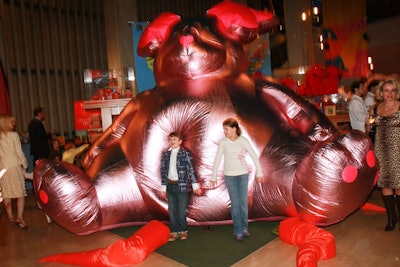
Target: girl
x=234, y=147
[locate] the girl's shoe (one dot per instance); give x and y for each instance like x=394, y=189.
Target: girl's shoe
x=239, y=237
x=246, y=234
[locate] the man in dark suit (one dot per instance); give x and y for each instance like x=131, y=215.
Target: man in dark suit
x=39, y=138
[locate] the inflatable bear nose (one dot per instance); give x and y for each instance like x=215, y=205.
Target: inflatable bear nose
x=186, y=40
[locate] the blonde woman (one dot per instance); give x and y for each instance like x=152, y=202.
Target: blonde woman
x=387, y=146
x=13, y=159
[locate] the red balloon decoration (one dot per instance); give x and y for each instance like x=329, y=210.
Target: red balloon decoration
x=314, y=243
x=322, y=80
x=123, y=252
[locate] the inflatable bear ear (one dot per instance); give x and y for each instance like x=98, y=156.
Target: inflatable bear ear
x=239, y=23
x=155, y=34
x=266, y=20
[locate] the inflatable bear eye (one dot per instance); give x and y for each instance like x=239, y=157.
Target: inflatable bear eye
x=239, y=23
x=156, y=33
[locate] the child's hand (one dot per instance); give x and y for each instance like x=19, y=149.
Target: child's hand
x=213, y=184
x=198, y=192
x=260, y=179
x=163, y=195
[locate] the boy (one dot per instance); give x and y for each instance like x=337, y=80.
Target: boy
x=176, y=171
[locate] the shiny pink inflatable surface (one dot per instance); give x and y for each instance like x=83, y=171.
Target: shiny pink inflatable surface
x=312, y=171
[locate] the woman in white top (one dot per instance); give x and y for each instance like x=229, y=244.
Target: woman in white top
x=13, y=159
x=234, y=148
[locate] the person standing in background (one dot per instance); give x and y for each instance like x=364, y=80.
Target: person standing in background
x=369, y=94
x=370, y=103
x=39, y=138
x=13, y=159
x=387, y=147
x=358, y=112
x=55, y=151
x=71, y=151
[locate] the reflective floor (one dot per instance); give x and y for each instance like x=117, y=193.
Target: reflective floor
x=360, y=241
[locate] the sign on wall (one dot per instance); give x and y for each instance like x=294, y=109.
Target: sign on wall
x=345, y=36
x=259, y=56
x=143, y=65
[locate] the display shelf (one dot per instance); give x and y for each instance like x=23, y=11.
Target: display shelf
x=95, y=129
x=109, y=109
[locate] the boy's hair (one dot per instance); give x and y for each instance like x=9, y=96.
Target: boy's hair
x=175, y=134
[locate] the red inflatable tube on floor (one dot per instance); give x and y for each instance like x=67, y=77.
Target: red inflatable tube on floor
x=120, y=253
x=314, y=243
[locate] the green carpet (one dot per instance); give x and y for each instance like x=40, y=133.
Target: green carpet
x=212, y=246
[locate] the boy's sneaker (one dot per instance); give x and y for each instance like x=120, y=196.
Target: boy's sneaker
x=173, y=236
x=184, y=235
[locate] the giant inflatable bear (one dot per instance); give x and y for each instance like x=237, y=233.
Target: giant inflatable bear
x=312, y=171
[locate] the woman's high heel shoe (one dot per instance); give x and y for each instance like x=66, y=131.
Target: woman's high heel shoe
x=21, y=224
